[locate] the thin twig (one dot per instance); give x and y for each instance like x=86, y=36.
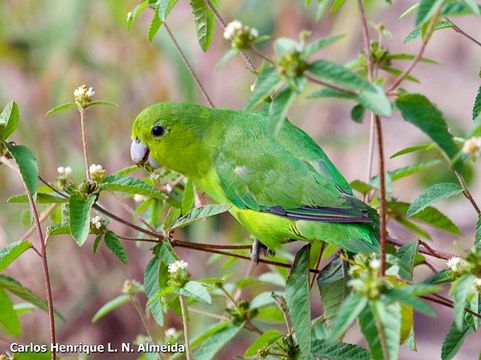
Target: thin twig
x=365, y=39
x=188, y=65
x=447, y=304
x=185, y=323
x=318, y=262
x=208, y=314
x=132, y=212
x=462, y=32
x=137, y=307
x=467, y=193
x=419, y=55
x=84, y=142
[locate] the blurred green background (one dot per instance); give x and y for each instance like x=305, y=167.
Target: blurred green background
x=48, y=48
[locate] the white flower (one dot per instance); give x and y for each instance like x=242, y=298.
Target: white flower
x=97, y=222
x=472, y=146
x=455, y=264
x=375, y=264
x=96, y=172
x=64, y=171
x=176, y=266
x=235, y=28
x=140, y=198
x=171, y=332
x=83, y=93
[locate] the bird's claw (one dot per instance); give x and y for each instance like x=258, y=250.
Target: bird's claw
x=257, y=246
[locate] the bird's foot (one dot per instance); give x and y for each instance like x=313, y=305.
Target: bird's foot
x=257, y=246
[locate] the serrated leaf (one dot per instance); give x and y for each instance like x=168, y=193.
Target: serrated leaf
x=406, y=256
x=336, y=5
x=204, y=23
x=267, y=338
x=406, y=298
x=426, y=10
x=110, y=306
x=409, y=225
x=367, y=323
x=58, y=229
x=165, y=7
x=17, y=289
x=278, y=110
x=338, y=351
x=299, y=300
x=316, y=45
x=441, y=277
x=443, y=24
x=152, y=287
x=60, y=108
x=80, y=217
x=453, y=341
x=188, y=197
x=460, y=290
x=27, y=164
x=199, y=213
x=332, y=283
x=432, y=195
x=9, y=253
x=376, y=101
x=216, y=341
x=477, y=105
x=348, y=312
x=41, y=198
x=138, y=10
x=340, y=75
x=418, y=110
x=266, y=83
x=331, y=93
x=411, y=149
x=389, y=315
x=130, y=185
x=127, y=170
x=155, y=25
x=9, y=322
x=477, y=234
x=114, y=245
x=195, y=290
x=9, y=119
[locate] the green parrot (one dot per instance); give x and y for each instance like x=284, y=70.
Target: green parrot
x=281, y=188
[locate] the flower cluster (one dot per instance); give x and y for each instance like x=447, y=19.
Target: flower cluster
x=171, y=333
x=472, y=147
x=64, y=171
x=96, y=172
x=83, y=95
x=131, y=287
x=178, y=275
x=477, y=285
x=240, y=36
x=97, y=224
x=455, y=264
x=365, y=276
x=176, y=266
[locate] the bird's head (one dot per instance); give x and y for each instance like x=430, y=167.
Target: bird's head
x=171, y=135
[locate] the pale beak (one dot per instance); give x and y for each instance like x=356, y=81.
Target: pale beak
x=138, y=151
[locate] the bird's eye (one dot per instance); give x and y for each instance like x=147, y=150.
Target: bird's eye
x=158, y=130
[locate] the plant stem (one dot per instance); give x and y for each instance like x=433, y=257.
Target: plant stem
x=365, y=39
x=318, y=262
x=382, y=186
x=467, y=193
x=427, y=250
x=189, y=66
x=137, y=307
x=84, y=142
x=462, y=32
x=185, y=323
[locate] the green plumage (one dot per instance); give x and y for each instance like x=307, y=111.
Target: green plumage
x=281, y=189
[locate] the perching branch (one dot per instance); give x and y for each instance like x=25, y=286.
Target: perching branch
x=462, y=32
x=467, y=193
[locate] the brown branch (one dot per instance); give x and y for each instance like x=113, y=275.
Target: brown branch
x=318, y=262
x=424, y=250
x=447, y=303
x=365, y=39
x=467, y=193
x=189, y=66
x=419, y=55
x=462, y=32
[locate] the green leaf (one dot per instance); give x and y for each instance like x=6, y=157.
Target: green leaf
x=406, y=298
x=102, y=102
x=477, y=105
x=432, y=195
x=389, y=317
x=348, y=312
x=477, y=235
x=14, y=287
x=164, y=8
x=418, y=110
x=299, y=300
x=114, y=245
x=58, y=229
x=216, y=341
x=441, y=277
x=9, y=118
x=130, y=185
x=27, y=163
x=331, y=93
x=413, y=227
x=232, y=53
x=315, y=46
x=138, y=10
x=152, y=287
x=80, y=217
x=199, y=213
x=473, y=5
x=357, y=113
x=110, y=306
x=155, y=25
x=426, y=10
x=266, y=83
x=285, y=46
x=127, y=170
x=460, y=290
x=417, y=32
x=453, y=341
x=267, y=338
x=204, y=23
x=9, y=253
x=412, y=149
x=42, y=198
x=375, y=101
x=278, y=110
x=360, y=186
x=336, y=5
x=332, y=287
x=195, y=290
x=406, y=256
x=9, y=322
x=369, y=329
x=339, y=74
x=60, y=108
x=338, y=351
x=23, y=308
x=188, y=197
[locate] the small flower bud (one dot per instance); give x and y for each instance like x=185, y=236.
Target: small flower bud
x=83, y=95
x=97, y=172
x=97, y=224
x=477, y=285
x=375, y=264
x=455, y=264
x=171, y=332
x=472, y=146
x=140, y=198
x=64, y=171
x=241, y=36
x=176, y=266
